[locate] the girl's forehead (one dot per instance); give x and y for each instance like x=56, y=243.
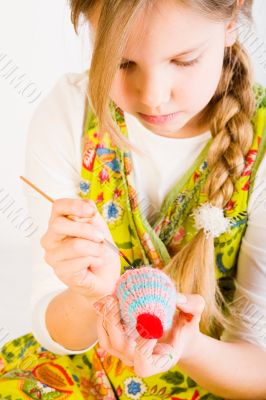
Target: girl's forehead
x=167, y=14
x=168, y=26
x=171, y=26
x=173, y=18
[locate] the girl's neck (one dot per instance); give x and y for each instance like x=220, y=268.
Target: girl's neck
x=199, y=124
x=193, y=128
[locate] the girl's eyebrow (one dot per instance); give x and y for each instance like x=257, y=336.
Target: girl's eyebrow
x=197, y=47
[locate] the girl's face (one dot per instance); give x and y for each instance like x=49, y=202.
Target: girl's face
x=160, y=80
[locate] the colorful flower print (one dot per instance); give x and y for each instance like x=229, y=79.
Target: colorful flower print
x=112, y=212
x=180, y=198
x=53, y=375
x=196, y=176
x=88, y=158
x=43, y=388
x=230, y=205
x=178, y=236
x=2, y=364
x=119, y=391
x=98, y=135
x=245, y=187
x=250, y=158
x=128, y=164
x=100, y=198
x=117, y=193
x=108, y=158
x=84, y=186
x=100, y=387
x=132, y=193
x=104, y=175
x=101, y=353
x=134, y=388
x=196, y=396
x=203, y=166
x=151, y=251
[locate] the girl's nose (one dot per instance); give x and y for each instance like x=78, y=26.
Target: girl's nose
x=153, y=91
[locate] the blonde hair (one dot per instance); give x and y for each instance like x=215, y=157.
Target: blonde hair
x=230, y=111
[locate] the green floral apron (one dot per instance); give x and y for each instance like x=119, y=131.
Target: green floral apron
x=29, y=371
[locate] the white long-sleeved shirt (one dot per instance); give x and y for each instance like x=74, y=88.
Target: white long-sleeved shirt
x=53, y=163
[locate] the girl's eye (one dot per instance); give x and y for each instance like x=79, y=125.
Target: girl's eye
x=128, y=64
x=125, y=65
x=186, y=64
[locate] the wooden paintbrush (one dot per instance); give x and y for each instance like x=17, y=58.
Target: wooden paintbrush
x=82, y=219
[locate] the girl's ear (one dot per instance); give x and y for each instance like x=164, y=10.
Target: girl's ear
x=231, y=33
x=231, y=29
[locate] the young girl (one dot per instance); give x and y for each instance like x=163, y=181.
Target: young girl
x=161, y=143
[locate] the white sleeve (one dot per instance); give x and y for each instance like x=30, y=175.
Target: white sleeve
x=53, y=163
x=250, y=295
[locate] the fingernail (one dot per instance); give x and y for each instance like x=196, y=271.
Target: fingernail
x=187, y=316
x=89, y=212
x=181, y=299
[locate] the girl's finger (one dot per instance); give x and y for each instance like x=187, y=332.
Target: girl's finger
x=155, y=360
x=67, y=209
x=195, y=305
x=105, y=343
x=77, y=271
x=145, y=346
x=164, y=357
x=143, y=358
x=103, y=336
x=118, y=338
x=62, y=226
x=173, y=334
x=77, y=207
x=72, y=248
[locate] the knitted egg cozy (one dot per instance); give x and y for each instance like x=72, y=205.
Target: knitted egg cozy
x=147, y=299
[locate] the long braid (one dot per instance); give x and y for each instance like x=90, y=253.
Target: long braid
x=230, y=111
x=231, y=127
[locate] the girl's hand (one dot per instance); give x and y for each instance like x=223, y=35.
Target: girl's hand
x=78, y=256
x=177, y=344
x=149, y=356
x=112, y=334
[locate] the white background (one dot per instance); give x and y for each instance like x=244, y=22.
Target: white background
x=38, y=38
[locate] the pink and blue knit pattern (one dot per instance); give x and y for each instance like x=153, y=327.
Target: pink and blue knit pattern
x=147, y=298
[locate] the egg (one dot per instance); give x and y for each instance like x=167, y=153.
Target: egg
x=147, y=299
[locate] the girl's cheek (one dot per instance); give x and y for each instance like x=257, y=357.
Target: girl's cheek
x=117, y=94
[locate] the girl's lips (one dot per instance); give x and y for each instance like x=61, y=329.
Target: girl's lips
x=160, y=119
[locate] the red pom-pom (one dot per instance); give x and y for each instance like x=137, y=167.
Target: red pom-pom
x=149, y=326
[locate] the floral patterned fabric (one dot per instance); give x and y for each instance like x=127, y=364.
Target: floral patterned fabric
x=29, y=371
